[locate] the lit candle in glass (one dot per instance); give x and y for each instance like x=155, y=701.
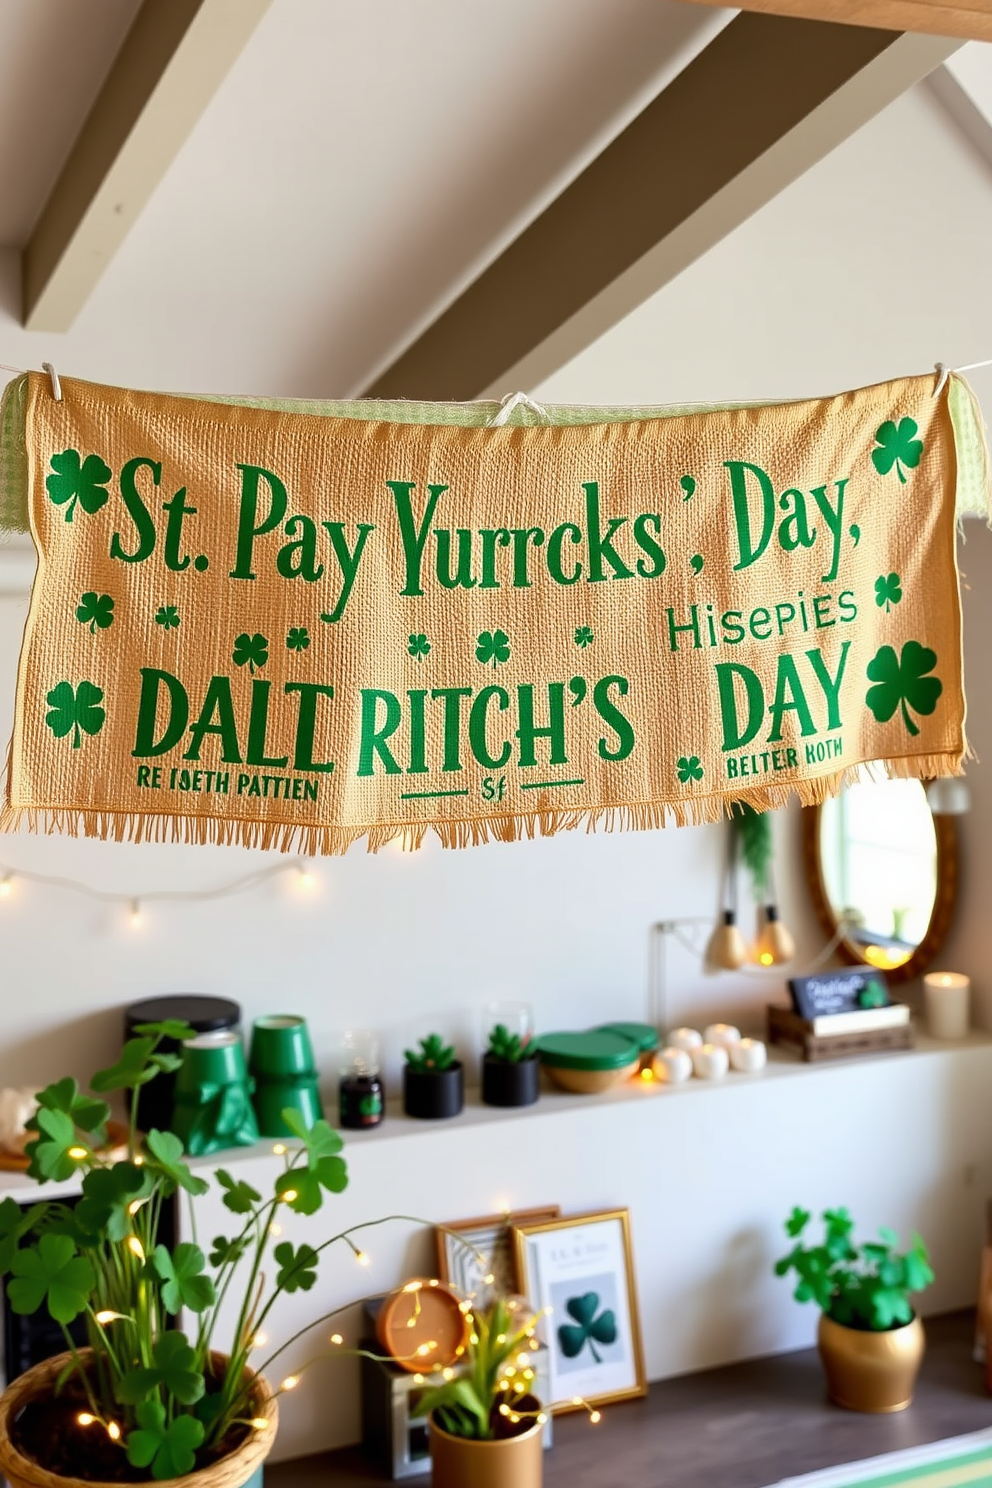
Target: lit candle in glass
x=748, y=1055
x=946, y=995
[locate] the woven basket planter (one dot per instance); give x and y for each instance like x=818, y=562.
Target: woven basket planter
x=232, y=1471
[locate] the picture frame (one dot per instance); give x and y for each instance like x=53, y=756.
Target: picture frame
x=581, y=1267
x=463, y=1244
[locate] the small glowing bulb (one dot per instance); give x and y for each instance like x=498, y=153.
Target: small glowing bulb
x=514, y=1417
x=134, y=1246
x=766, y=958
x=5, y=886
x=260, y=1423
x=595, y=1417
x=134, y=1206
x=488, y=1280
x=279, y=1150
x=260, y=1340
x=113, y=1431
x=576, y=1399
x=647, y=1074
x=139, y=1161
x=500, y=1337
x=288, y=1195
x=77, y=1153
x=423, y=1350
x=448, y=1373
x=362, y=1258
x=337, y=1339
x=528, y=1374
x=521, y=1360
x=85, y=1419
x=135, y=918
x=418, y=1379
x=291, y=1381
x=473, y=1338
x=105, y=1317
x=306, y=877
x=435, y=1282
x=275, y=1229
x=541, y=1418
x=504, y=1409
x=412, y=1286
x=534, y=1343
x=465, y=1306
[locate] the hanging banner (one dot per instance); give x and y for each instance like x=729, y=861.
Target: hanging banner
x=287, y=629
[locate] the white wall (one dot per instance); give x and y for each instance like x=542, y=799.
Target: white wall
x=875, y=264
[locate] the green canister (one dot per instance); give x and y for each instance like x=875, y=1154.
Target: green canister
x=213, y=1108
x=282, y=1064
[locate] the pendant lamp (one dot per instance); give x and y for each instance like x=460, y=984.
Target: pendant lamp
x=726, y=949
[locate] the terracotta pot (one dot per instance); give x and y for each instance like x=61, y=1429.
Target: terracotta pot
x=513, y=1462
x=873, y=1372
x=236, y=1470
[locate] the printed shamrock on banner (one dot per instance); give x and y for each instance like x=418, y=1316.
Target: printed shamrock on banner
x=76, y=479
x=588, y=1328
x=688, y=768
x=95, y=610
x=493, y=646
x=418, y=646
x=298, y=638
x=250, y=651
x=898, y=446
x=888, y=591
x=584, y=636
x=167, y=616
x=902, y=682
x=73, y=709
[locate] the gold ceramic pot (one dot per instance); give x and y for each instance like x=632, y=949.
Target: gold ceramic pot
x=867, y=1371
x=513, y=1462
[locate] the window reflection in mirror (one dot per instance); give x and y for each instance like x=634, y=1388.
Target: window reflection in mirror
x=878, y=851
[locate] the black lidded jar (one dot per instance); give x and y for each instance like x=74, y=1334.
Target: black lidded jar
x=205, y=1014
x=509, y=1082
x=433, y=1094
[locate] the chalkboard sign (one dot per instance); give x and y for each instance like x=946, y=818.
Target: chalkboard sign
x=848, y=991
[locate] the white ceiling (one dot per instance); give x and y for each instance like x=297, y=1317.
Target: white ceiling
x=54, y=54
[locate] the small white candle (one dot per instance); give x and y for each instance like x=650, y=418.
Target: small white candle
x=721, y=1033
x=946, y=994
x=710, y=1062
x=685, y=1038
x=748, y=1055
x=673, y=1065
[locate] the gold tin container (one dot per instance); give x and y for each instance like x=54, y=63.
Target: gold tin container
x=872, y=1372
x=513, y=1462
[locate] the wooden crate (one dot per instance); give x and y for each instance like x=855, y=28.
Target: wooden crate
x=786, y=1027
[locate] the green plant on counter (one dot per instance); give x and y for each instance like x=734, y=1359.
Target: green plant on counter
x=492, y=1398
x=503, y=1044
x=860, y=1286
x=434, y=1054
x=154, y=1389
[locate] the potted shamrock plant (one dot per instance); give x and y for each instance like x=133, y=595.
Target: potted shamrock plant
x=144, y=1399
x=484, y=1424
x=870, y=1338
x=510, y=1071
x=433, y=1080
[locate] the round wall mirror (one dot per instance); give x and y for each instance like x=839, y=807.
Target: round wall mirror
x=881, y=865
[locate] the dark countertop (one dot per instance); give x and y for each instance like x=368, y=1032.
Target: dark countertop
x=744, y=1426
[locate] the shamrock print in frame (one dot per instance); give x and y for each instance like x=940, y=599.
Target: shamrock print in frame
x=580, y=1270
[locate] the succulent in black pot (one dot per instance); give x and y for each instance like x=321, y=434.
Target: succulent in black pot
x=433, y=1080
x=510, y=1075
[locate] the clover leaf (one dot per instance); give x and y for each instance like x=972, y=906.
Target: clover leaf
x=134, y=1068
x=15, y=1222
x=182, y=1274
x=239, y=1196
x=897, y=446
x=88, y=1114
x=583, y=636
x=297, y=1268
x=250, y=651
x=418, y=646
x=588, y=1328
x=888, y=591
x=48, y=1153
x=168, y=1448
x=73, y=709
x=95, y=610
x=300, y=1188
x=227, y=1252
x=167, y=616
x=902, y=682
x=298, y=638
x=51, y=1272
x=108, y=1194
x=167, y=1151
x=797, y=1222
x=688, y=768
x=167, y=1028
x=173, y=1366
x=79, y=480
x=493, y=646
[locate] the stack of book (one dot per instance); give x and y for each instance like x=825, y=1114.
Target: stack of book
x=840, y=1013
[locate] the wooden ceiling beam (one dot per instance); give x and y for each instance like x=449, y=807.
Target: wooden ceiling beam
x=171, y=63
x=762, y=103
x=971, y=20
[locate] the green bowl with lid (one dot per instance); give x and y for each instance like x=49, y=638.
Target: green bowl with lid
x=587, y=1063
x=644, y=1035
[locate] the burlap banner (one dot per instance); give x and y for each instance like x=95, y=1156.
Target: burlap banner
x=283, y=628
